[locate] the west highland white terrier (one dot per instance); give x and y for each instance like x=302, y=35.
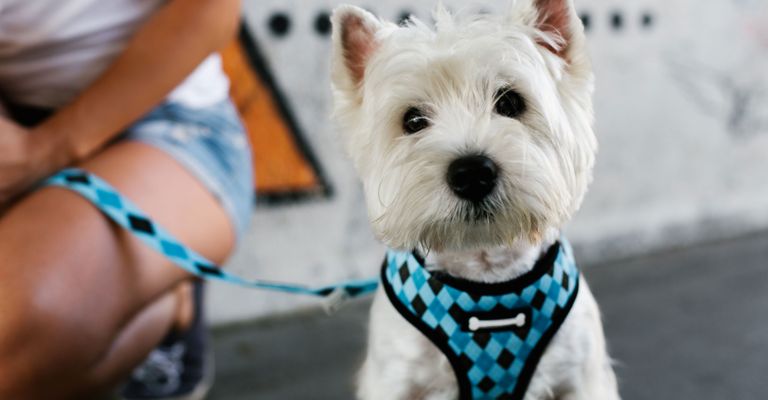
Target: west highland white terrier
x=474, y=143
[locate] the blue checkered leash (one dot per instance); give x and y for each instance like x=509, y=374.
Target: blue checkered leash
x=126, y=214
x=493, y=334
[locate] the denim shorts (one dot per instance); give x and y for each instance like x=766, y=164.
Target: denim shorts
x=212, y=144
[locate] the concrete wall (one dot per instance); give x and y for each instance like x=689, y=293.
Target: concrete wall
x=682, y=118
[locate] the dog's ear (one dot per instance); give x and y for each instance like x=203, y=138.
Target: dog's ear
x=561, y=27
x=354, y=42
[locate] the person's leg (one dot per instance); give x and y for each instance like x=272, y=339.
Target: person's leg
x=82, y=300
x=130, y=347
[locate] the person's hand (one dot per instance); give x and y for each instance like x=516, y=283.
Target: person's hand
x=26, y=156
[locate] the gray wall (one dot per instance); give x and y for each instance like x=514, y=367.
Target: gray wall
x=682, y=118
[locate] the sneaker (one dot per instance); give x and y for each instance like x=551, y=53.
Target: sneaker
x=180, y=368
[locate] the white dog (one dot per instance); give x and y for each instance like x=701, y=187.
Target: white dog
x=474, y=143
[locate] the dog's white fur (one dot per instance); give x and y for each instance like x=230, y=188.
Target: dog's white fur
x=545, y=156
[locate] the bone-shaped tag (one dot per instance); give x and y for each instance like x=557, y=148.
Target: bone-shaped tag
x=477, y=323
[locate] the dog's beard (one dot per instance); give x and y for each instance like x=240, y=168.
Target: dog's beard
x=477, y=213
x=487, y=232
x=462, y=226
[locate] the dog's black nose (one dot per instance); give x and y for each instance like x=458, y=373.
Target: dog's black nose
x=472, y=177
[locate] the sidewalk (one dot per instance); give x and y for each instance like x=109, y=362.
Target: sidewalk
x=687, y=324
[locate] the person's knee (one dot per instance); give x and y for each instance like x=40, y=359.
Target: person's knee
x=41, y=342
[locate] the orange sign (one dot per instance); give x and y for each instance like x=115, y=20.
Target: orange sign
x=285, y=167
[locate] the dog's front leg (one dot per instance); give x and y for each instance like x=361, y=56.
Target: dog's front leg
x=402, y=364
x=595, y=379
x=599, y=383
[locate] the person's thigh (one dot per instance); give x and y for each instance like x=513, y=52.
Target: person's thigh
x=70, y=280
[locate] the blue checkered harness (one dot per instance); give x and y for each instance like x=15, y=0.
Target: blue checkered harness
x=127, y=215
x=490, y=362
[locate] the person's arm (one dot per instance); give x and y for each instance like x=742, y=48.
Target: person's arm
x=160, y=55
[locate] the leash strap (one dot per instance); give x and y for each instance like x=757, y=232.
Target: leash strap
x=126, y=214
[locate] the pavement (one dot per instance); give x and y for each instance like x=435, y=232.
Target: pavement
x=684, y=324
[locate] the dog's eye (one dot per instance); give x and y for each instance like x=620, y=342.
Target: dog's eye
x=414, y=121
x=509, y=103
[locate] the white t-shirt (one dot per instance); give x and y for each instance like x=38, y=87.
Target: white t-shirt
x=51, y=50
